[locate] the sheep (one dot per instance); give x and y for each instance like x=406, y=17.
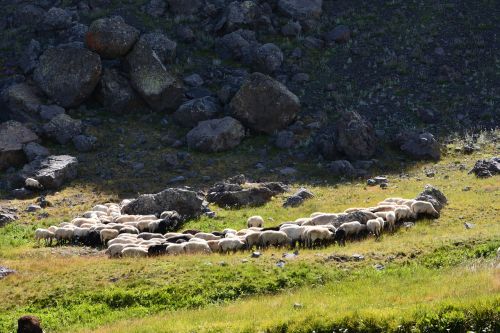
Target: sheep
x=123, y=241
x=63, y=234
x=134, y=252
x=206, y=236
x=105, y=219
x=196, y=247
x=79, y=221
x=168, y=214
x=383, y=208
x=100, y=208
x=424, y=207
x=351, y=210
x=403, y=213
x=255, y=221
x=408, y=202
x=316, y=214
x=175, y=249
x=158, y=249
x=302, y=220
x=126, y=218
x=231, y=244
x=396, y=200
x=143, y=225
x=389, y=219
x=375, y=226
x=275, y=238
x=149, y=235
x=44, y=234
x=156, y=226
x=229, y=231
x=81, y=233
x=108, y=234
x=172, y=234
x=52, y=228
x=312, y=235
x=146, y=217
x=294, y=233
x=321, y=219
x=175, y=239
x=352, y=229
x=114, y=250
x=213, y=245
x=129, y=230
x=252, y=239
x=191, y=232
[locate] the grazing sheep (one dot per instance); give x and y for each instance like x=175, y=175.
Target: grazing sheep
x=275, y=238
x=206, y=236
x=175, y=249
x=255, y=221
x=108, y=234
x=115, y=250
x=149, y=236
x=79, y=221
x=229, y=231
x=214, y=245
x=403, y=213
x=294, y=233
x=100, y=208
x=375, y=226
x=316, y=214
x=172, y=234
x=196, y=247
x=302, y=220
x=81, y=233
x=425, y=208
x=129, y=230
x=321, y=219
x=44, y=234
x=231, y=244
x=383, y=208
x=252, y=240
x=408, y=202
x=352, y=229
x=63, y=235
x=314, y=235
x=134, y=252
x=146, y=217
x=126, y=218
x=158, y=249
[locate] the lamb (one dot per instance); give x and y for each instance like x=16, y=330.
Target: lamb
x=375, y=226
x=134, y=252
x=312, y=235
x=255, y=221
x=275, y=238
x=403, y=213
x=231, y=244
x=424, y=207
x=196, y=247
x=175, y=249
x=206, y=236
x=44, y=234
x=108, y=234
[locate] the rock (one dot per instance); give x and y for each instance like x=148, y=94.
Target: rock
x=185, y=202
x=184, y=34
x=68, y=75
x=238, y=15
x=21, y=193
x=184, y=7
x=486, y=168
x=379, y=180
x=47, y=112
x=247, y=194
x=160, y=89
x=7, y=215
x=63, y=128
x=419, y=146
x=237, y=45
x=116, y=94
x=84, y=143
x=313, y=43
x=29, y=58
x=428, y=116
x=192, y=112
x=156, y=8
x=264, y=105
x=342, y=168
x=33, y=208
x=164, y=48
x=356, y=136
x=57, y=19
x=300, y=78
x=325, y=143
x=23, y=100
x=293, y=201
x=29, y=324
x=340, y=34
x=304, y=193
x=111, y=37
x=35, y=151
x=434, y=196
x=216, y=135
x=285, y=139
x=53, y=171
x=288, y=171
x=28, y=15
x=193, y=80
x=268, y=58
x=13, y=135
x=291, y=29
x=301, y=9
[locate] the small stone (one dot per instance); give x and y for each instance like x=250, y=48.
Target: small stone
x=297, y=306
x=256, y=254
x=358, y=257
x=33, y=208
x=379, y=267
x=193, y=80
x=177, y=179
x=84, y=143
x=288, y=171
x=291, y=29
x=47, y=112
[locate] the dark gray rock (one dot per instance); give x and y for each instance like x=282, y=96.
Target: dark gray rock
x=33, y=208
x=164, y=48
x=21, y=193
x=116, y=94
x=111, y=37
x=301, y=9
x=192, y=112
x=291, y=29
x=23, y=100
x=156, y=8
x=184, y=34
x=28, y=15
x=325, y=143
x=29, y=58
x=56, y=19
x=185, y=202
x=264, y=105
x=7, y=215
x=293, y=201
x=68, y=75
x=13, y=136
x=434, y=196
x=342, y=168
x=35, y=151
x=47, y=112
x=53, y=171
x=149, y=77
x=184, y=7
x=339, y=34
x=63, y=128
x=285, y=139
x=486, y=168
x=238, y=45
x=268, y=58
x=238, y=14
x=216, y=135
x=193, y=80
x=419, y=146
x=84, y=143
x=247, y=194
x=355, y=136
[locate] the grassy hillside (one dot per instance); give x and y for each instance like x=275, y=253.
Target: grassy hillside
x=437, y=275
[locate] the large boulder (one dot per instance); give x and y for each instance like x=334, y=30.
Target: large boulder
x=164, y=47
x=184, y=7
x=238, y=14
x=216, y=135
x=246, y=194
x=116, y=94
x=434, y=196
x=53, y=171
x=238, y=45
x=35, y=151
x=111, y=37
x=268, y=58
x=68, y=75
x=356, y=136
x=187, y=203
x=29, y=58
x=301, y=9
x=486, y=168
x=192, y=112
x=264, y=104
x=7, y=215
x=419, y=146
x=63, y=128
x=13, y=135
x=23, y=101
x=160, y=89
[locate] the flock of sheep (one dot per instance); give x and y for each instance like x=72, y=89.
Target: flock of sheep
x=145, y=235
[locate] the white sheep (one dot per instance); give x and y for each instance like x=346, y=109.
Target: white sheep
x=389, y=218
x=321, y=219
x=44, y=234
x=231, y=244
x=252, y=239
x=128, y=229
x=403, y=213
x=294, y=232
x=275, y=238
x=81, y=232
x=375, y=226
x=206, y=236
x=196, y=247
x=100, y=208
x=352, y=229
x=424, y=207
x=64, y=234
x=126, y=218
x=146, y=217
x=114, y=250
x=175, y=249
x=149, y=235
x=312, y=235
x=255, y=221
x=108, y=234
x=134, y=252
x=316, y=214
x=302, y=220
x=79, y=221
x=214, y=245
